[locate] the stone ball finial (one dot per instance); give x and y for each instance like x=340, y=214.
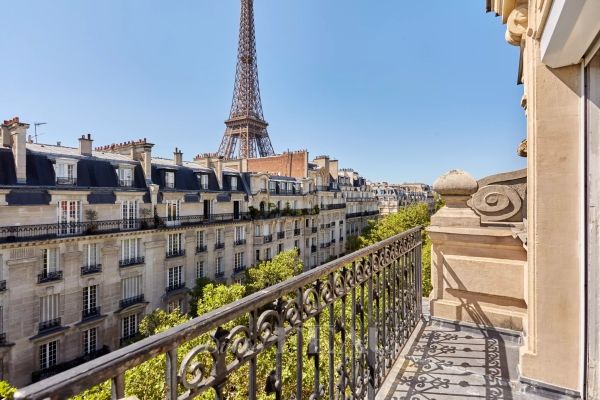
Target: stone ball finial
x=455, y=183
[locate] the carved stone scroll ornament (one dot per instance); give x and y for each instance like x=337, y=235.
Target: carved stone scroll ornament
x=496, y=203
x=516, y=24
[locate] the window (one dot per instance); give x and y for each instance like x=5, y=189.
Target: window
x=129, y=214
x=48, y=354
x=125, y=175
x=219, y=236
x=49, y=307
x=257, y=256
x=90, y=254
x=174, y=244
x=268, y=253
x=297, y=244
x=66, y=172
x=129, y=326
x=170, y=179
x=279, y=248
x=90, y=338
x=200, y=269
x=219, y=265
x=240, y=233
x=234, y=183
x=203, y=181
x=172, y=212
x=296, y=224
x=49, y=261
x=89, y=299
x=238, y=261
x=257, y=230
x=175, y=305
x=175, y=277
x=69, y=217
x=131, y=249
x=131, y=287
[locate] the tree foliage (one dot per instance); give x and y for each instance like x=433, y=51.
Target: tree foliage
x=6, y=391
x=282, y=267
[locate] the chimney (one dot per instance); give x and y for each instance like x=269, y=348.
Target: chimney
x=178, y=157
x=4, y=136
x=18, y=138
x=216, y=163
x=85, y=145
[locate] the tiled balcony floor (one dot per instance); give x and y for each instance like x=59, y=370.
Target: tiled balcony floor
x=448, y=361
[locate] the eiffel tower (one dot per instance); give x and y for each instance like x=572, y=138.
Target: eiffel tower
x=246, y=129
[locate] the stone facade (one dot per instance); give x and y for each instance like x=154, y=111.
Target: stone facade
x=92, y=240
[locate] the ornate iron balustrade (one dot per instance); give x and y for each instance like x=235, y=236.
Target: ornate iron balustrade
x=131, y=261
x=131, y=301
x=175, y=286
x=297, y=232
x=345, y=321
x=219, y=245
x=90, y=313
x=175, y=253
x=201, y=249
x=313, y=249
x=238, y=269
x=280, y=235
x=239, y=242
x=50, y=324
x=91, y=269
x=268, y=238
x=50, y=276
x=45, y=373
x=335, y=206
x=313, y=229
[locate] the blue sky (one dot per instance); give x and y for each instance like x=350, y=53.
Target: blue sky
x=398, y=90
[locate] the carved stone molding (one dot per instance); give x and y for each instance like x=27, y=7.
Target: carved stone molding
x=516, y=24
x=501, y=197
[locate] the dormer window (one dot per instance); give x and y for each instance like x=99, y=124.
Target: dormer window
x=66, y=172
x=234, y=183
x=125, y=174
x=170, y=179
x=203, y=179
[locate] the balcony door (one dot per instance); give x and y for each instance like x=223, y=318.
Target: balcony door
x=592, y=127
x=236, y=210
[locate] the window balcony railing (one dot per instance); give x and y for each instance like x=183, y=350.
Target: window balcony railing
x=3, y=340
x=280, y=235
x=239, y=242
x=175, y=286
x=201, y=249
x=48, y=372
x=128, y=339
x=128, y=262
x=124, y=303
x=362, y=338
x=90, y=313
x=220, y=245
x=313, y=249
x=91, y=269
x=268, y=238
x=219, y=274
x=332, y=240
x=175, y=253
x=325, y=245
x=50, y=276
x=238, y=269
x=126, y=182
x=297, y=232
x=2, y=285
x=66, y=180
x=314, y=229
x=335, y=206
x=45, y=326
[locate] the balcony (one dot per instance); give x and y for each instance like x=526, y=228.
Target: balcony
x=66, y=180
x=268, y=238
x=131, y=301
x=91, y=269
x=219, y=274
x=201, y=249
x=325, y=245
x=175, y=253
x=335, y=206
x=3, y=341
x=317, y=374
x=50, y=276
x=128, y=339
x=239, y=242
x=313, y=229
x=175, y=286
x=313, y=249
x=239, y=269
x=2, y=285
x=220, y=245
x=297, y=232
x=90, y=313
x=280, y=235
x=129, y=262
x=332, y=240
x=48, y=372
x=51, y=324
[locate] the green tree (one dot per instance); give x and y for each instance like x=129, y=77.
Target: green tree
x=282, y=267
x=196, y=294
x=6, y=391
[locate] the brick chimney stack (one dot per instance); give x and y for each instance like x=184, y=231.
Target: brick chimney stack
x=178, y=157
x=85, y=145
x=18, y=139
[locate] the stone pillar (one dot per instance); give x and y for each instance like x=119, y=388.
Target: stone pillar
x=477, y=271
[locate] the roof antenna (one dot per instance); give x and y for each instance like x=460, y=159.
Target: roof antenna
x=35, y=125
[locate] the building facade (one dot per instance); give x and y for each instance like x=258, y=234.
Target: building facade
x=93, y=239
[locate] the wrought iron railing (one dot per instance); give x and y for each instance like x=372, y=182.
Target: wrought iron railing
x=201, y=249
x=335, y=206
x=21, y=233
x=91, y=269
x=296, y=231
x=219, y=245
x=313, y=229
x=239, y=242
x=49, y=324
x=341, y=327
x=281, y=235
x=90, y=312
x=128, y=262
x=3, y=285
x=3, y=338
x=175, y=286
x=50, y=276
x=124, y=303
x=268, y=238
x=238, y=269
x=175, y=253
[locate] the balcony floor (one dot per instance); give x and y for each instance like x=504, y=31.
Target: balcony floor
x=450, y=361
